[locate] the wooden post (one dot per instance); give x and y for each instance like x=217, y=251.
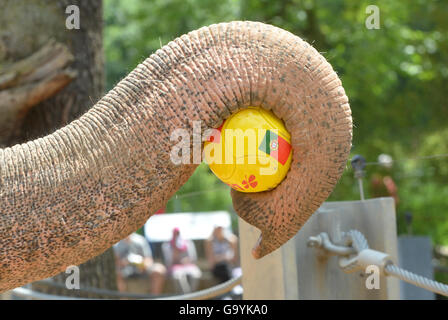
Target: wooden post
x=267, y=278
x=296, y=271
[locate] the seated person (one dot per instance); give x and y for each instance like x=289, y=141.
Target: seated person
x=182, y=265
x=134, y=259
x=221, y=252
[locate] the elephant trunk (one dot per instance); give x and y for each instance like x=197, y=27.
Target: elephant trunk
x=69, y=196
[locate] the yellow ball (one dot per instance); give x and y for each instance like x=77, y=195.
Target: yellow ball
x=251, y=151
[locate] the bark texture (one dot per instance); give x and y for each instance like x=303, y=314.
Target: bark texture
x=70, y=195
x=26, y=83
x=86, y=45
x=38, y=57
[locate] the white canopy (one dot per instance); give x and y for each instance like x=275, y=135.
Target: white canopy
x=192, y=226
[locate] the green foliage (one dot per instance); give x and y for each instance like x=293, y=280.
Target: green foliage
x=135, y=28
x=202, y=192
x=396, y=79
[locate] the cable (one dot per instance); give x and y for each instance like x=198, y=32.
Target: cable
x=198, y=295
x=28, y=293
x=416, y=280
x=207, y=293
x=433, y=156
x=196, y=193
x=364, y=257
x=97, y=291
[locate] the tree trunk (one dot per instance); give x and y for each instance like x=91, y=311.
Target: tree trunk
x=27, y=26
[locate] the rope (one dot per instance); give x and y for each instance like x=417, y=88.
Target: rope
x=198, y=295
x=361, y=256
x=417, y=280
x=357, y=240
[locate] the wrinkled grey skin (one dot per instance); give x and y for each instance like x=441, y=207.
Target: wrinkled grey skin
x=69, y=196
